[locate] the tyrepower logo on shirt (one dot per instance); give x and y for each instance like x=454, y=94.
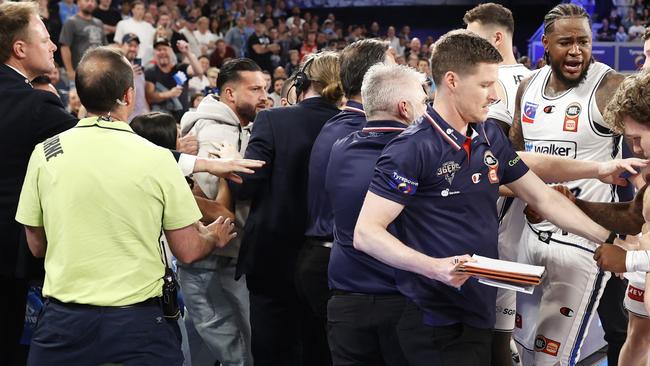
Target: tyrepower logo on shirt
x=567, y=149
x=403, y=184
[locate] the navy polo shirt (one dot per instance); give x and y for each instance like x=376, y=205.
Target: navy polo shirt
x=449, y=199
x=319, y=211
x=350, y=170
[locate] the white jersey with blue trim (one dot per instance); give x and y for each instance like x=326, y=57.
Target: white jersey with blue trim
x=510, y=210
x=570, y=125
x=510, y=76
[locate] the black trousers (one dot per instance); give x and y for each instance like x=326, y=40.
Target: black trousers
x=362, y=329
x=12, y=320
x=613, y=316
x=276, y=321
x=453, y=345
x=313, y=290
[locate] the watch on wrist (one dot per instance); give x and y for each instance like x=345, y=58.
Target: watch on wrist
x=611, y=238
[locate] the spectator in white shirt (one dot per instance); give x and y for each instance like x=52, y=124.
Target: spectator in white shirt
x=394, y=42
x=138, y=26
x=204, y=36
x=636, y=31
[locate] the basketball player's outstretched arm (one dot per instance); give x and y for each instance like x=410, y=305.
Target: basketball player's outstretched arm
x=615, y=258
x=620, y=217
x=516, y=135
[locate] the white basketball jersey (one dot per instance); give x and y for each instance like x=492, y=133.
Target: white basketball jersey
x=570, y=125
x=510, y=76
x=510, y=210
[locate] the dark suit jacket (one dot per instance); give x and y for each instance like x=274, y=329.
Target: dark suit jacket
x=27, y=117
x=274, y=231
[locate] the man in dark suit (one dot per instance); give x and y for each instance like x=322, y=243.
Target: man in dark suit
x=29, y=116
x=275, y=228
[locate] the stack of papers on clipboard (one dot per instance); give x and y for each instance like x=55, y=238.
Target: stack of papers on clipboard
x=505, y=274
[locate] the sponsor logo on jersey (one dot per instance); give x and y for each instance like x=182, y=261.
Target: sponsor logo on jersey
x=546, y=345
x=518, y=321
x=549, y=109
x=563, y=148
x=571, y=116
x=530, y=110
x=544, y=236
x=476, y=177
x=447, y=192
x=514, y=161
x=505, y=311
x=635, y=294
x=403, y=184
x=489, y=159
x=566, y=312
x=448, y=169
x=493, y=165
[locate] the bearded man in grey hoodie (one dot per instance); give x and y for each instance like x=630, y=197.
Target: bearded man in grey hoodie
x=217, y=304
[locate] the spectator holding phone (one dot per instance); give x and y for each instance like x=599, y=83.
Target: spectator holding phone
x=166, y=86
x=130, y=47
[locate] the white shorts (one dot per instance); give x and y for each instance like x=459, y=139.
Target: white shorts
x=505, y=310
x=552, y=323
x=511, y=226
x=634, y=295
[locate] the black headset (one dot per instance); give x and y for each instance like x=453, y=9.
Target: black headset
x=301, y=81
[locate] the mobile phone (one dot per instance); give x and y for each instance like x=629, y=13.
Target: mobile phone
x=137, y=61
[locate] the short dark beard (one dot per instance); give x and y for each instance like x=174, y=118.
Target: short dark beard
x=566, y=81
x=246, y=111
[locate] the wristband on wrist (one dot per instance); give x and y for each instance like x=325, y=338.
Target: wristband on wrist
x=611, y=238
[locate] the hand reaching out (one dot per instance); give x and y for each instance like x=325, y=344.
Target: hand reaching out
x=188, y=144
x=221, y=231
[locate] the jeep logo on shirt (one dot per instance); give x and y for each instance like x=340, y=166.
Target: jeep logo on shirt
x=567, y=149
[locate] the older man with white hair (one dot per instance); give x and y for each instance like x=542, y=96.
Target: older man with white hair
x=366, y=305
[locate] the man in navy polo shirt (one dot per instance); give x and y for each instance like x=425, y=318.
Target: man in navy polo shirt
x=441, y=178
x=311, y=273
x=366, y=305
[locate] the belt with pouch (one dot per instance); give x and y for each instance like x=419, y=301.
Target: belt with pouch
x=149, y=302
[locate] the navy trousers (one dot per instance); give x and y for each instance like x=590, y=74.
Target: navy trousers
x=69, y=334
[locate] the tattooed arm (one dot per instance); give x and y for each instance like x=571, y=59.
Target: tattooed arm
x=516, y=134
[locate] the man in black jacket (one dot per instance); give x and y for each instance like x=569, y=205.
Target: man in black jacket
x=29, y=116
x=274, y=231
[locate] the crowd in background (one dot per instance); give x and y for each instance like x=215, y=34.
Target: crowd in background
x=274, y=35
x=624, y=23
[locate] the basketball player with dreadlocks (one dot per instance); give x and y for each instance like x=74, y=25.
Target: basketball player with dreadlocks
x=558, y=111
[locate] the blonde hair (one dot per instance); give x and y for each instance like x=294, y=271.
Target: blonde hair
x=213, y=70
x=630, y=100
x=323, y=73
x=14, y=20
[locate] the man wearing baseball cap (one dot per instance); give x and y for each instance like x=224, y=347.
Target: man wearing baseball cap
x=130, y=47
x=166, y=81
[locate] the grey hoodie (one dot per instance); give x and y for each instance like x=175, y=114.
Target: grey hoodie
x=214, y=121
